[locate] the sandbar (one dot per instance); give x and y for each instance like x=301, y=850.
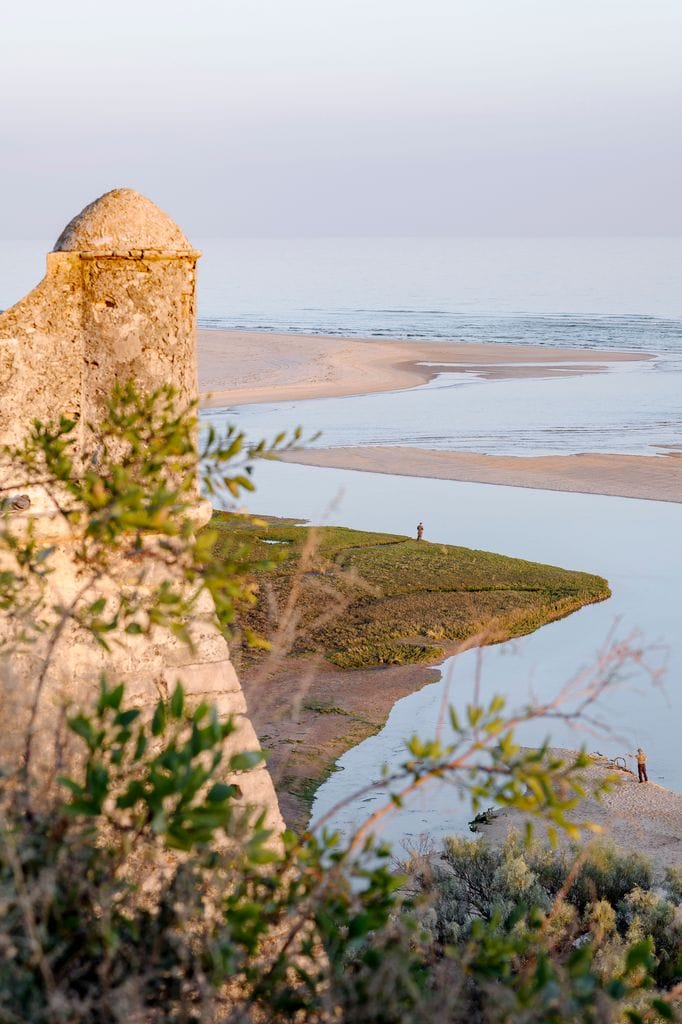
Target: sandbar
x=654, y=477
x=241, y=367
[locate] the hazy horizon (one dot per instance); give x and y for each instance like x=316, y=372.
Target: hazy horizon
x=322, y=118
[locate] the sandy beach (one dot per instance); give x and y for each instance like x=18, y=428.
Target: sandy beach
x=657, y=478
x=638, y=818
x=233, y=365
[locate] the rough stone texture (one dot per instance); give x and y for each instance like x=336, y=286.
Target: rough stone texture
x=41, y=350
x=122, y=221
x=117, y=303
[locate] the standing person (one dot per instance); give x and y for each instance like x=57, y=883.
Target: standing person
x=420, y=531
x=641, y=764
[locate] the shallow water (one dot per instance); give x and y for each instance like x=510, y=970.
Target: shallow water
x=635, y=544
x=635, y=408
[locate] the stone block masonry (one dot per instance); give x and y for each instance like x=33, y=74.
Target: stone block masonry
x=118, y=303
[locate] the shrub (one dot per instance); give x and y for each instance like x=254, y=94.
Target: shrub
x=137, y=886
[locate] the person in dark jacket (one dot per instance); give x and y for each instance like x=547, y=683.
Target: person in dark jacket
x=420, y=531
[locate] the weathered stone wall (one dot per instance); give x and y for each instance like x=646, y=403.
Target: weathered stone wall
x=41, y=350
x=117, y=303
x=137, y=323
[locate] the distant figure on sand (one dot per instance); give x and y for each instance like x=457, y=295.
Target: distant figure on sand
x=420, y=531
x=641, y=764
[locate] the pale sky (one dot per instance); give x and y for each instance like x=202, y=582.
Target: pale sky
x=346, y=117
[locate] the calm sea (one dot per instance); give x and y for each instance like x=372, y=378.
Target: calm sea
x=586, y=292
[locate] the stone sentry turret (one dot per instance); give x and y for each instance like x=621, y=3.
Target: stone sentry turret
x=118, y=303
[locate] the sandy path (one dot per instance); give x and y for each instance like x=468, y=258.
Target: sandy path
x=645, y=819
x=658, y=478
x=239, y=368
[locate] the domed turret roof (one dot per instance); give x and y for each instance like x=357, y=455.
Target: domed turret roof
x=122, y=221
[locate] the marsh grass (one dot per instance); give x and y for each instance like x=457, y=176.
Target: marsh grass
x=392, y=600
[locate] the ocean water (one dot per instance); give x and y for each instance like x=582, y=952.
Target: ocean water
x=620, y=293
x=602, y=294
x=605, y=294
x=595, y=293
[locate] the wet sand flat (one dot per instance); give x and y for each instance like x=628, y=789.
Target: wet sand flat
x=658, y=478
x=307, y=713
